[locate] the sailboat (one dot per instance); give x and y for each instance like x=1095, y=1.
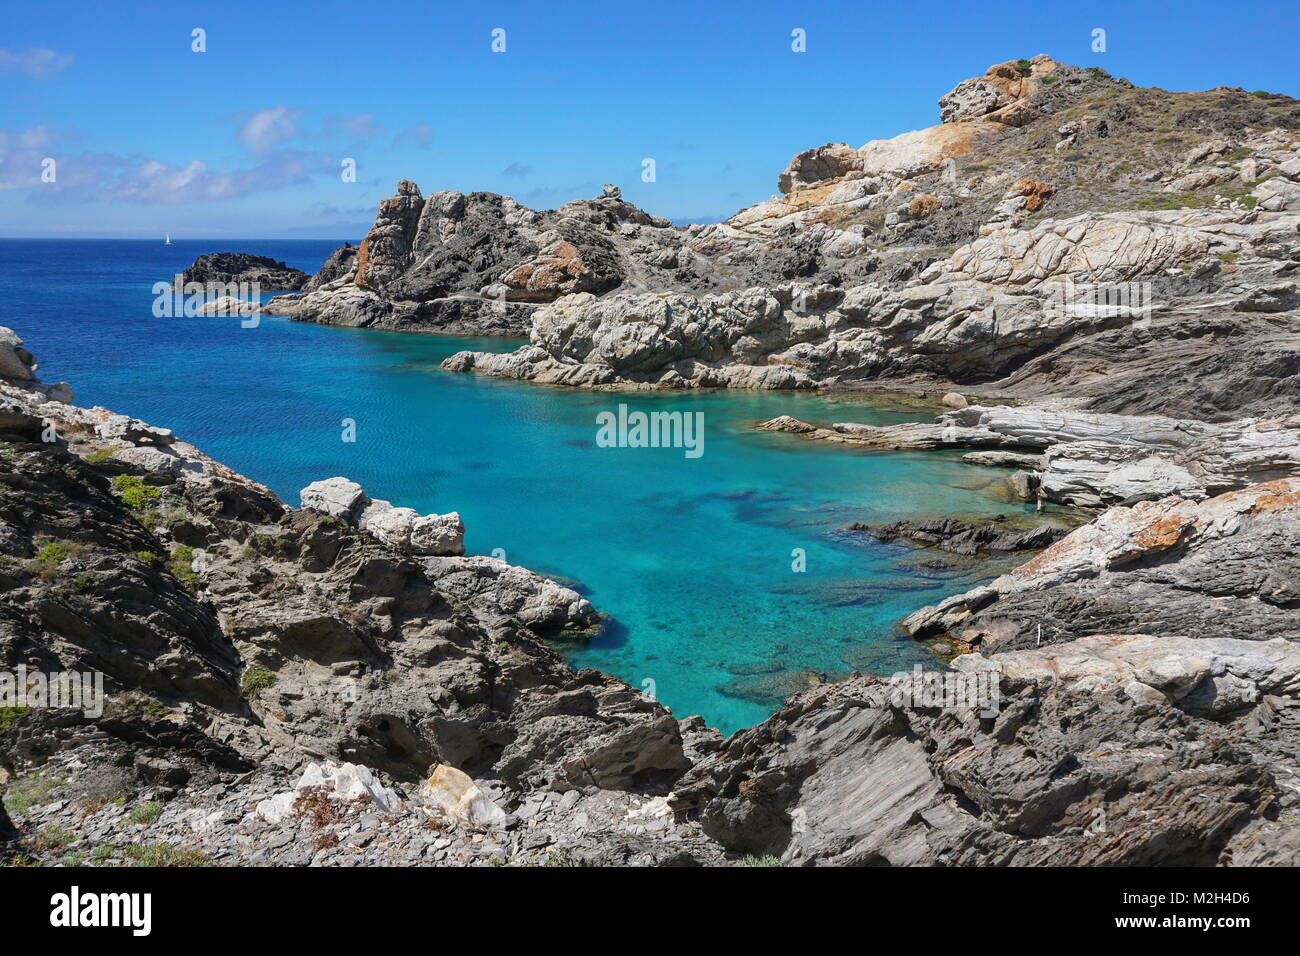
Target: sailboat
x=168, y=241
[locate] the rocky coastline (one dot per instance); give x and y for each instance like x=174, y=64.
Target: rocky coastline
x=339, y=684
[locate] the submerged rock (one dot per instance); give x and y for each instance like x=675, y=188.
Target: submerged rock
x=965, y=537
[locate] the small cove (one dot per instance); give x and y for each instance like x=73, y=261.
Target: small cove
x=696, y=560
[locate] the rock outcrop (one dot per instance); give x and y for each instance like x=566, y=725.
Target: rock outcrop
x=226, y=268
x=1113, y=750
x=1088, y=459
x=404, y=528
x=481, y=263
x=966, y=538
x=1222, y=567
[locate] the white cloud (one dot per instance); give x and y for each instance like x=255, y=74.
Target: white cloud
x=266, y=127
x=417, y=134
x=91, y=177
x=362, y=126
x=38, y=62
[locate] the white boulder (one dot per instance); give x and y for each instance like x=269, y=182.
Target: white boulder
x=336, y=497
x=454, y=794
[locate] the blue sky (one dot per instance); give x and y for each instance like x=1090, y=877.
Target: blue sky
x=247, y=139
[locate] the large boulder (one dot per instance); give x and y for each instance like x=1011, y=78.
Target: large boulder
x=831, y=161
x=337, y=497
x=15, y=361
x=451, y=794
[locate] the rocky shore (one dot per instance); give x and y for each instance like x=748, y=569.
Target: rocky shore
x=340, y=685
x=1102, y=281
x=242, y=641
x=1089, y=459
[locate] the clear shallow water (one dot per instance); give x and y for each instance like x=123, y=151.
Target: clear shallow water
x=692, y=558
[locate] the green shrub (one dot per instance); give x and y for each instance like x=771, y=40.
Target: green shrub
x=163, y=854
x=1049, y=80
x=146, y=812
x=54, y=838
x=8, y=715
x=149, y=558
x=98, y=455
x=179, y=566
x=52, y=553
x=30, y=791
x=1024, y=66
x=256, y=679
x=768, y=860
x=136, y=495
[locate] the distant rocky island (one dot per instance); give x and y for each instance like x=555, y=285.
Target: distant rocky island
x=240, y=267
x=1102, y=282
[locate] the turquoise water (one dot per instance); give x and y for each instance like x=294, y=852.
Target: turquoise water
x=691, y=558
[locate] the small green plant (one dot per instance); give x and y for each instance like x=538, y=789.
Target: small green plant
x=54, y=838
x=256, y=679
x=10, y=714
x=31, y=791
x=149, y=558
x=51, y=553
x=1049, y=80
x=163, y=854
x=1260, y=94
x=146, y=812
x=1023, y=66
x=156, y=518
x=182, y=558
x=768, y=860
x=105, y=851
x=98, y=455
x=1229, y=258
x=136, y=495
x=156, y=711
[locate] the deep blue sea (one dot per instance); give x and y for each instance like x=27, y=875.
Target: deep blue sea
x=692, y=558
